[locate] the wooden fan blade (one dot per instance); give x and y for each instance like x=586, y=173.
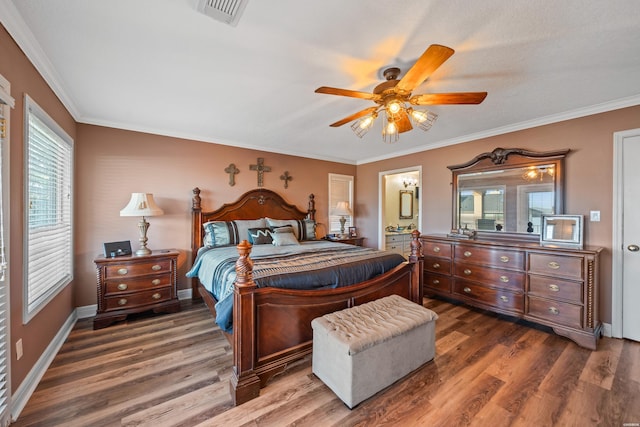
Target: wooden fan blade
x=431, y=59
x=347, y=92
x=354, y=116
x=448, y=98
x=403, y=122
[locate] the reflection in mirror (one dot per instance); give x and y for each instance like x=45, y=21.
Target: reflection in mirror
x=406, y=204
x=507, y=191
x=482, y=198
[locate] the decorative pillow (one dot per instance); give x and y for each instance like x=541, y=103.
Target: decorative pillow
x=260, y=236
x=284, y=239
x=303, y=229
x=223, y=233
x=283, y=229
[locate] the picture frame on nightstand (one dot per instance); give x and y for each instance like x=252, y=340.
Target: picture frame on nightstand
x=353, y=232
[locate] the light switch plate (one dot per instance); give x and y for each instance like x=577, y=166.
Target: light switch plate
x=595, y=216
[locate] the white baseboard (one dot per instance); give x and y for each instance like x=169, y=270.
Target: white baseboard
x=24, y=391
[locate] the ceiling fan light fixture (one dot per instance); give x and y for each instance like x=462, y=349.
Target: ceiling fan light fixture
x=361, y=126
x=390, y=133
x=423, y=119
x=393, y=107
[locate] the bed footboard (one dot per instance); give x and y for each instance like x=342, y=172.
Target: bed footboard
x=272, y=326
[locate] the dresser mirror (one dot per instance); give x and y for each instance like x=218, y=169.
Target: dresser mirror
x=506, y=192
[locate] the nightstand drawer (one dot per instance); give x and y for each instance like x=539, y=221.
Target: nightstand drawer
x=138, y=268
x=136, y=284
x=138, y=299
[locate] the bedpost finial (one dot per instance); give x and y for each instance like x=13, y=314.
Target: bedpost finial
x=244, y=265
x=416, y=246
x=195, y=201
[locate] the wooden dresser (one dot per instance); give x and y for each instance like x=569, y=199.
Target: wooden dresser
x=552, y=286
x=132, y=284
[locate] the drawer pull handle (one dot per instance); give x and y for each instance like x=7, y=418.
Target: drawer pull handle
x=122, y=287
x=122, y=271
x=504, y=299
x=436, y=281
x=122, y=301
x=155, y=282
x=554, y=288
x=156, y=267
x=554, y=265
x=436, y=249
x=504, y=258
x=156, y=296
x=504, y=279
x=467, y=254
x=467, y=290
x=554, y=310
x=467, y=272
x=436, y=265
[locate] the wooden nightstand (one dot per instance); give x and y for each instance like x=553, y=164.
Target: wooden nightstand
x=357, y=241
x=132, y=284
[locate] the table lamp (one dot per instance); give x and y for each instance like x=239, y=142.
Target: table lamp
x=342, y=209
x=142, y=205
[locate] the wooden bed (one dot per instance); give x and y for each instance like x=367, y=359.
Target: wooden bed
x=272, y=326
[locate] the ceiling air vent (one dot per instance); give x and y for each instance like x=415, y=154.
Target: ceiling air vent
x=227, y=11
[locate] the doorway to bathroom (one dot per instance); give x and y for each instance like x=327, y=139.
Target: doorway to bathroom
x=399, y=209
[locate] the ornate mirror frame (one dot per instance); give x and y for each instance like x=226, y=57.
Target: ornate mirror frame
x=406, y=204
x=515, y=161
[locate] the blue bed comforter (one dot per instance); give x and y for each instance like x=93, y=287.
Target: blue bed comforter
x=314, y=264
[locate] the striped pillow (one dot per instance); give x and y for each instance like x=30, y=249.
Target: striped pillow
x=224, y=233
x=303, y=229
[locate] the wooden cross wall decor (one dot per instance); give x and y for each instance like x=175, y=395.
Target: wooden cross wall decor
x=232, y=171
x=261, y=169
x=286, y=178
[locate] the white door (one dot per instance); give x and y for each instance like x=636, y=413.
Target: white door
x=625, y=284
x=631, y=238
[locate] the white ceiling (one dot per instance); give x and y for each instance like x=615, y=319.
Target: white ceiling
x=162, y=67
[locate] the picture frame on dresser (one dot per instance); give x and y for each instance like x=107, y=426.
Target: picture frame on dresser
x=566, y=231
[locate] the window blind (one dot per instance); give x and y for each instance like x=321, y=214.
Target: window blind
x=49, y=162
x=340, y=189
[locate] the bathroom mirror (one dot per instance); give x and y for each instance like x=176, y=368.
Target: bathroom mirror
x=406, y=204
x=562, y=230
x=505, y=193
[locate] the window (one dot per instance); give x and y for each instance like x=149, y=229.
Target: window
x=49, y=208
x=6, y=103
x=340, y=190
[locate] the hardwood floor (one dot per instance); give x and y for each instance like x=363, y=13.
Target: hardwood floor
x=173, y=370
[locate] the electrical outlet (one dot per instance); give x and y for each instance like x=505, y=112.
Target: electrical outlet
x=595, y=216
x=19, y=349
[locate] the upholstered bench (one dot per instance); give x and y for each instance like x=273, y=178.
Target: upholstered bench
x=363, y=349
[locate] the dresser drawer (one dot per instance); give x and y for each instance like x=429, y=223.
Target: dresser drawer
x=437, y=265
x=552, y=288
x=133, y=284
x=439, y=283
x=563, y=313
x=500, y=258
x=557, y=265
x=138, y=268
x=138, y=299
x=436, y=249
x=490, y=276
x=498, y=298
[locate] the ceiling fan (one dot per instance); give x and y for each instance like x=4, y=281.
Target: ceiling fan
x=393, y=95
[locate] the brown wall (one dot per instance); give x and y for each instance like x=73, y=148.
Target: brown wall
x=39, y=332
x=112, y=163
x=588, y=178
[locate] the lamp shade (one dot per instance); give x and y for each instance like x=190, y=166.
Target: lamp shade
x=342, y=208
x=141, y=204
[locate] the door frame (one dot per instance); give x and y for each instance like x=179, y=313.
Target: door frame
x=382, y=199
x=617, y=249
